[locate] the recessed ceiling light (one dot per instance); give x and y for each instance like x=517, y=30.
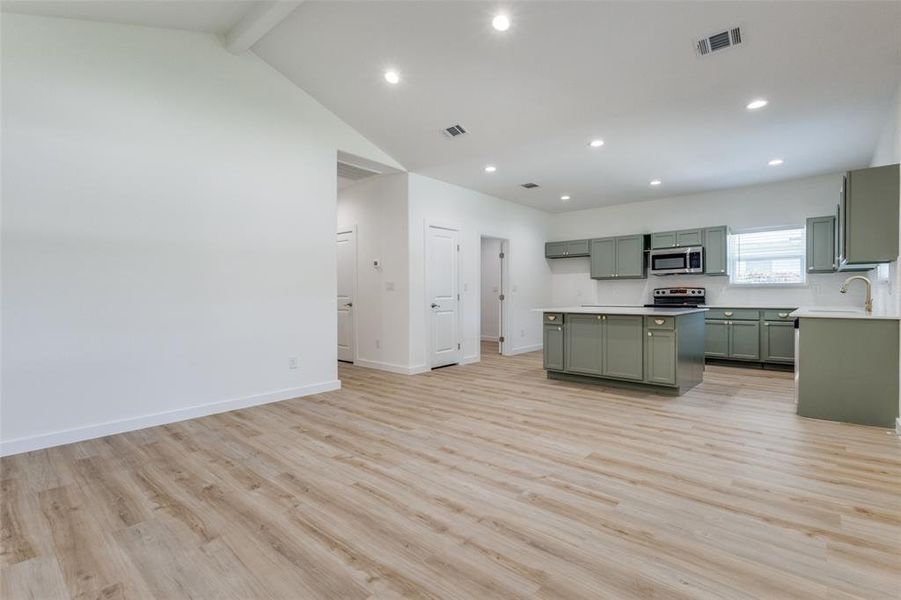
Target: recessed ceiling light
x=564, y=198
x=490, y=169
x=755, y=104
x=656, y=182
x=392, y=77
x=501, y=22
x=596, y=143
x=775, y=162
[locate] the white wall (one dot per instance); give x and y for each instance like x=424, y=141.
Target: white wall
x=377, y=207
x=784, y=203
x=168, y=235
x=475, y=215
x=490, y=288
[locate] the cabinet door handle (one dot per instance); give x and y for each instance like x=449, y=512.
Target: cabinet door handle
x=722, y=270
x=552, y=317
x=728, y=314
x=604, y=318
x=659, y=321
x=650, y=334
x=766, y=324
x=599, y=317
x=783, y=315
x=559, y=329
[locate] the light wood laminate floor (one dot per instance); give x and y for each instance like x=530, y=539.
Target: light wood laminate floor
x=480, y=481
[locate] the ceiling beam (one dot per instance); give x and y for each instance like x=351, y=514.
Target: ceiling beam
x=257, y=22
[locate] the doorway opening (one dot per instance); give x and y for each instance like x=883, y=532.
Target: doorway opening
x=492, y=296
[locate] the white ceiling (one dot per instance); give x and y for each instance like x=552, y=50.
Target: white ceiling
x=566, y=72
x=209, y=16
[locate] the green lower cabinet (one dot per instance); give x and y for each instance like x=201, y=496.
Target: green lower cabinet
x=778, y=342
x=553, y=347
x=660, y=357
x=716, y=339
x=584, y=351
x=623, y=347
x=744, y=340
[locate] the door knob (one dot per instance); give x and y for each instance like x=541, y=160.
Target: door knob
x=434, y=305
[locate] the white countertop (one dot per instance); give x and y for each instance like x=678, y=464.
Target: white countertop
x=844, y=312
x=620, y=310
x=760, y=306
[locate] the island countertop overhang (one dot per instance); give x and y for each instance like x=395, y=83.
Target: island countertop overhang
x=621, y=310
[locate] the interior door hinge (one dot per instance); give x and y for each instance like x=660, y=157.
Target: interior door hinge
x=501, y=339
x=458, y=346
x=458, y=247
x=501, y=297
x=501, y=255
x=458, y=296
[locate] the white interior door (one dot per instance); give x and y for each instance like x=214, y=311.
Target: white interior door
x=501, y=297
x=347, y=262
x=441, y=281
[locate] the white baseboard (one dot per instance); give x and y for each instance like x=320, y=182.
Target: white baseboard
x=898, y=426
x=523, y=349
x=390, y=367
x=466, y=360
x=489, y=338
x=79, y=434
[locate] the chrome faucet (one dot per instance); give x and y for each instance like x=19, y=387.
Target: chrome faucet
x=868, y=303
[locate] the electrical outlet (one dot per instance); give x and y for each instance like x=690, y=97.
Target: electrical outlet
x=293, y=361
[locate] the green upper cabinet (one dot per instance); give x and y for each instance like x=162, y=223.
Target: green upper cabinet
x=821, y=244
x=577, y=248
x=568, y=249
x=868, y=216
x=667, y=239
x=690, y=237
x=555, y=250
x=603, y=258
x=673, y=239
x=584, y=351
x=716, y=246
x=623, y=346
x=630, y=256
x=620, y=257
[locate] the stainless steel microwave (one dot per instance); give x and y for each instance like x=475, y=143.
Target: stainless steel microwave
x=674, y=261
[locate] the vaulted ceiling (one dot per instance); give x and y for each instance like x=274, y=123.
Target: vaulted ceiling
x=532, y=97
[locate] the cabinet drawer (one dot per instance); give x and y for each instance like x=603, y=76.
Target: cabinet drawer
x=779, y=314
x=553, y=318
x=733, y=314
x=660, y=322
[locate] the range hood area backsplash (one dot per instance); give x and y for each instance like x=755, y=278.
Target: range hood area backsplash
x=573, y=286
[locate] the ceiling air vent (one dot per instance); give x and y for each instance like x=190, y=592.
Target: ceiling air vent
x=530, y=185
x=718, y=41
x=454, y=130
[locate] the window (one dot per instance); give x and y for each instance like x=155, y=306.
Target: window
x=768, y=257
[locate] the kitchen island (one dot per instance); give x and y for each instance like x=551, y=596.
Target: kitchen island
x=658, y=349
x=847, y=365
